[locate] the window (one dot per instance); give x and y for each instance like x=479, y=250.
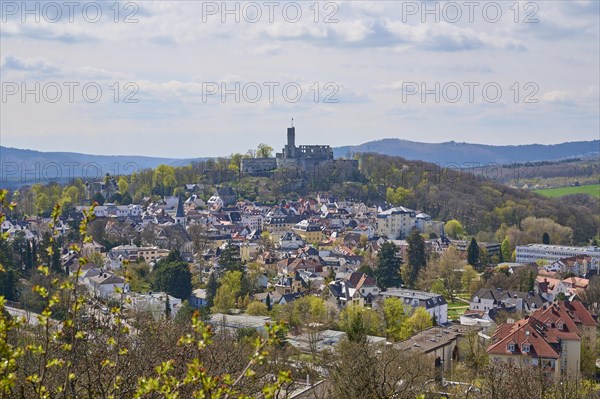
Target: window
x=511, y=347
x=526, y=348
x=560, y=326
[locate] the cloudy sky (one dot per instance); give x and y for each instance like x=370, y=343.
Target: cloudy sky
x=190, y=78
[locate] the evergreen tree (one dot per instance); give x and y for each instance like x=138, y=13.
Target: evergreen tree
x=99, y=198
x=167, y=308
x=229, y=259
x=416, y=258
x=473, y=253
x=546, y=238
x=211, y=290
x=357, y=331
x=28, y=257
x=388, y=266
x=34, y=253
x=269, y=307
x=173, y=278
x=246, y=284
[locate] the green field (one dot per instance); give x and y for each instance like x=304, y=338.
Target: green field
x=592, y=189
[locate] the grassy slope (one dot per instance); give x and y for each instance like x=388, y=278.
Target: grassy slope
x=592, y=189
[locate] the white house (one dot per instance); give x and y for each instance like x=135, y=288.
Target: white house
x=154, y=303
x=105, y=284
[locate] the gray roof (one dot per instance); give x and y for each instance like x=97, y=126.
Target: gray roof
x=426, y=299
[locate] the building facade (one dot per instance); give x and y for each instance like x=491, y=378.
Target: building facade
x=552, y=253
x=396, y=222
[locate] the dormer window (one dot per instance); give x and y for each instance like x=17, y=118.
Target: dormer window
x=511, y=347
x=526, y=348
x=560, y=326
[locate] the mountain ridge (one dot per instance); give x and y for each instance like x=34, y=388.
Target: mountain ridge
x=463, y=153
x=25, y=166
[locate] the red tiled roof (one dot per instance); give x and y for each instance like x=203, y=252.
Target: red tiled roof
x=580, y=313
x=528, y=331
x=554, y=315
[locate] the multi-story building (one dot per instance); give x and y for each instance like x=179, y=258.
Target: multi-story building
x=396, y=222
x=550, y=338
x=556, y=349
x=279, y=224
x=552, y=253
x=309, y=231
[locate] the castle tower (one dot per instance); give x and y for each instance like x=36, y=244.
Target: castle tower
x=291, y=136
x=290, y=148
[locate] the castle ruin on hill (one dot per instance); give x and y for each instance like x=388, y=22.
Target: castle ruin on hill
x=302, y=157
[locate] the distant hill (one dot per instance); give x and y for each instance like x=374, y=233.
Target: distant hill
x=465, y=153
x=18, y=167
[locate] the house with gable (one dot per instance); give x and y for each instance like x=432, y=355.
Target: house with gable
x=532, y=342
x=357, y=289
x=550, y=338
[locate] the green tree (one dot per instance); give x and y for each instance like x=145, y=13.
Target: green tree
x=123, y=185
x=167, y=308
x=224, y=300
x=453, y=228
x=229, y=258
x=184, y=314
x=228, y=293
x=99, y=198
x=395, y=319
x=443, y=274
x=417, y=259
x=387, y=273
x=264, y=151
x=419, y=321
x=164, y=180
x=211, y=289
x=398, y=196
x=174, y=278
x=473, y=253
x=506, y=251
x=257, y=308
x=42, y=204
x=469, y=279
x=370, y=322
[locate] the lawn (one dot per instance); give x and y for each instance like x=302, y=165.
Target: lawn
x=592, y=189
x=456, y=309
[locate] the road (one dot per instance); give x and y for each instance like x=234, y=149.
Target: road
x=30, y=317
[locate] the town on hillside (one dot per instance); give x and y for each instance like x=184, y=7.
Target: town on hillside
x=337, y=272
